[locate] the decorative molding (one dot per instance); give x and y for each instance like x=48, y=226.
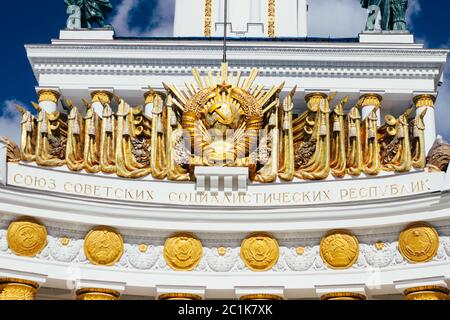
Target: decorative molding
x=208, y=18
x=271, y=13
x=370, y=257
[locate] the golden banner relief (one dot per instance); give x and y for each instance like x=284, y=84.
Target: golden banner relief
x=160, y=192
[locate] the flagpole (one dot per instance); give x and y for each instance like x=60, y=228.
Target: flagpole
x=225, y=18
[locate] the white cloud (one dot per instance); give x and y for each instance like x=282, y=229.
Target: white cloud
x=337, y=18
x=343, y=18
x=443, y=104
x=160, y=23
x=10, y=120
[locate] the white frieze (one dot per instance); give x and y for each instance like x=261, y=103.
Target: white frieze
x=71, y=251
x=302, y=262
x=219, y=263
x=142, y=260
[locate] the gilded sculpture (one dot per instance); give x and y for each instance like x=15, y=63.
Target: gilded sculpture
x=183, y=252
x=223, y=120
x=419, y=242
x=339, y=249
x=439, y=156
x=27, y=237
x=103, y=246
x=260, y=251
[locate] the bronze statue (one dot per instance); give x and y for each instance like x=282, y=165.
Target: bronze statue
x=85, y=13
x=393, y=14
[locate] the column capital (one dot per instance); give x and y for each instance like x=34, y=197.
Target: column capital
x=17, y=289
x=370, y=100
x=149, y=95
x=259, y=293
x=424, y=100
x=316, y=95
x=342, y=292
x=180, y=293
x=427, y=293
x=261, y=296
x=97, y=294
x=343, y=296
x=48, y=94
x=102, y=96
x=179, y=296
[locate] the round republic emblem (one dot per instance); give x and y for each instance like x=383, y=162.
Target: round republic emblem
x=339, y=249
x=26, y=237
x=418, y=242
x=103, y=246
x=183, y=252
x=260, y=251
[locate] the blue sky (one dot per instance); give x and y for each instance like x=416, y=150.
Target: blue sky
x=40, y=21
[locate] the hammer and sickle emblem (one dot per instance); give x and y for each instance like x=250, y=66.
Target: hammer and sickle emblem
x=222, y=117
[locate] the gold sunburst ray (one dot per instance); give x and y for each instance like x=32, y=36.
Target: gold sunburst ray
x=198, y=78
x=251, y=79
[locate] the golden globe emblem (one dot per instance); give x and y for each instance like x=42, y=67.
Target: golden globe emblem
x=183, y=252
x=103, y=246
x=26, y=237
x=260, y=251
x=418, y=242
x=339, y=249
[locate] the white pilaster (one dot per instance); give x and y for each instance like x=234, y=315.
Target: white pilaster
x=3, y=162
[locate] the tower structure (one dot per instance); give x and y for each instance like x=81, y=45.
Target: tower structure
x=247, y=18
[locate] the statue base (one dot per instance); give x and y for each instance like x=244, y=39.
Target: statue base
x=87, y=34
x=378, y=36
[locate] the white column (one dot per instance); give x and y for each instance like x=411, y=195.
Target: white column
x=48, y=99
x=426, y=102
x=368, y=102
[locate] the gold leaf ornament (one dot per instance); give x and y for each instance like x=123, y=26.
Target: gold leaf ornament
x=27, y=237
x=418, y=242
x=260, y=251
x=183, y=252
x=103, y=246
x=339, y=249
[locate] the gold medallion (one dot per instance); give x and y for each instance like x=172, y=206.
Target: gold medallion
x=27, y=237
x=103, y=246
x=260, y=251
x=339, y=249
x=183, y=251
x=418, y=242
